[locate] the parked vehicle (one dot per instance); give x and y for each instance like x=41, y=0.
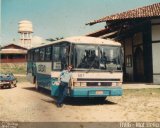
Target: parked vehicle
x=7, y=80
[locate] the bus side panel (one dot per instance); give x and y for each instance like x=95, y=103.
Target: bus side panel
x=44, y=81
x=54, y=88
x=42, y=73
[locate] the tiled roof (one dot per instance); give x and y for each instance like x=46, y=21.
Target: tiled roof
x=143, y=12
x=13, y=51
x=13, y=45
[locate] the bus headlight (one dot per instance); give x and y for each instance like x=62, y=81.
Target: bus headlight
x=83, y=84
x=119, y=83
x=114, y=84
x=80, y=84
x=76, y=83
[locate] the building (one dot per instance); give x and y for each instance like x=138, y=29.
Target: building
x=13, y=53
x=138, y=30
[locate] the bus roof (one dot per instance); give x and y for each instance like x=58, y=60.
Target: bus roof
x=84, y=40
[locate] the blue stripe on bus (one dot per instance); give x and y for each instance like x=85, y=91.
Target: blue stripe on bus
x=91, y=92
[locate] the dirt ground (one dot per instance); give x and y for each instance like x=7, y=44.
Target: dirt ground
x=24, y=104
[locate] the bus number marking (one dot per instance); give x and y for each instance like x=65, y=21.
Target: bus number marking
x=81, y=75
x=41, y=68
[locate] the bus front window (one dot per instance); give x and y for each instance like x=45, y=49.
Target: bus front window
x=110, y=58
x=86, y=56
x=97, y=57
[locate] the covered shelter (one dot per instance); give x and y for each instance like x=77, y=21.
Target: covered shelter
x=138, y=30
x=13, y=53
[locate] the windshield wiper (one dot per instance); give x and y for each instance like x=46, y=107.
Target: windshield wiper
x=93, y=62
x=111, y=70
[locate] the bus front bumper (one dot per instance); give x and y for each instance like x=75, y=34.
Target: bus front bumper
x=96, y=91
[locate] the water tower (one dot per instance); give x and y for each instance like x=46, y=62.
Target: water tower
x=25, y=29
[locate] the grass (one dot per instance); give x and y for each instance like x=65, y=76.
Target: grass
x=13, y=68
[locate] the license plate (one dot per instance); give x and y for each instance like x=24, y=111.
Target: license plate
x=99, y=92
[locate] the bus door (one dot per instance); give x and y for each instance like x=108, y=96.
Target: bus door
x=31, y=67
x=59, y=63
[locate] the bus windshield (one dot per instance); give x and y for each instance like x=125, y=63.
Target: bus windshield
x=96, y=57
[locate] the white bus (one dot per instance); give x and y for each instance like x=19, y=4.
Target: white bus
x=97, y=66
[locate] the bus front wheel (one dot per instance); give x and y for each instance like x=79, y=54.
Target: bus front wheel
x=100, y=99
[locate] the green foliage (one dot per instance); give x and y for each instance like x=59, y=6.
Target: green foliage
x=13, y=68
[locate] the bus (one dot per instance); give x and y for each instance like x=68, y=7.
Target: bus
x=97, y=66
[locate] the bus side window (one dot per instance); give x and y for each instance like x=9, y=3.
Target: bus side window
x=42, y=54
x=48, y=53
x=36, y=54
x=64, y=56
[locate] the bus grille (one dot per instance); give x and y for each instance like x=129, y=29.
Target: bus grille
x=88, y=79
x=99, y=84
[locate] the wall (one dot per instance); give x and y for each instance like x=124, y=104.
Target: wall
x=156, y=50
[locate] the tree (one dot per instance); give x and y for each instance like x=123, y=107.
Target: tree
x=57, y=38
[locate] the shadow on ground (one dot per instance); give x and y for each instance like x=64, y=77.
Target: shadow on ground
x=72, y=101
x=40, y=90
x=87, y=101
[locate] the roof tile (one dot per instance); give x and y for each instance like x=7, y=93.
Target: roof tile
x=143, y=12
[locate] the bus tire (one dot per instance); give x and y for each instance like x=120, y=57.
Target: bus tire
x=10, y=85
x=100, y=99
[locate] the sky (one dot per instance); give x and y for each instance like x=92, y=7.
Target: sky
x=60, y=18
